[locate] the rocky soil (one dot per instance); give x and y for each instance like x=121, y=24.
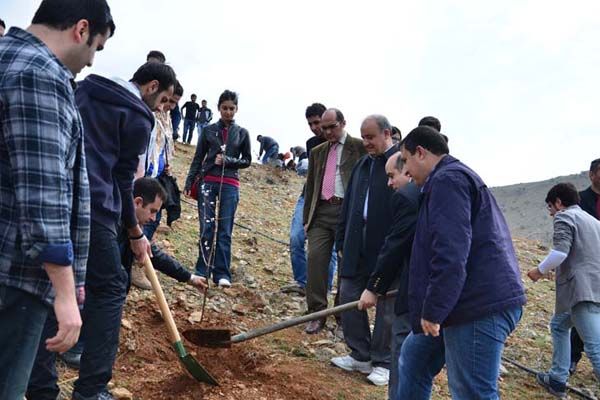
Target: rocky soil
x=287, y=364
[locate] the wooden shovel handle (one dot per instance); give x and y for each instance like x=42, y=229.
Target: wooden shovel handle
x=299, y=320
x=162, y=302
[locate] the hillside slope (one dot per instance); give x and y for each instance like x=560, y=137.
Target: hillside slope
x=287, y=364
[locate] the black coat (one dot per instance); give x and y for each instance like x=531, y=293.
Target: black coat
x=588, y=202
x=360, y=244
x=394, y=256
x=237, y=153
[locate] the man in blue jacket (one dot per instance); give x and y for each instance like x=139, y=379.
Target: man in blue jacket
x=464, y=277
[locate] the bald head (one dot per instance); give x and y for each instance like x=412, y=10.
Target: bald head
x=333, y=124
x=397, y=179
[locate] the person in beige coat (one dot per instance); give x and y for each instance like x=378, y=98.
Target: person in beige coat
x=330, y=166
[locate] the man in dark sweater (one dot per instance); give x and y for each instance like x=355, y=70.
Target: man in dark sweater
x=117, y=119
x=269, y=146
x=204, y=117
x=590, y=203
x=464, y=278
x=190, y=112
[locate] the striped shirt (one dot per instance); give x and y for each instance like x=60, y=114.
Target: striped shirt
x=44, y=190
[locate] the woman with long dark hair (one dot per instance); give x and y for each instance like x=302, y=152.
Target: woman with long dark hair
x=223, y=148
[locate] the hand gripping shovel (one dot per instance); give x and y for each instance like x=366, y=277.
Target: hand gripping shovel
x=223, y=338
x=189, y=362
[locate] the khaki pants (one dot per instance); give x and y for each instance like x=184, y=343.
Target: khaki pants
x=321, y=239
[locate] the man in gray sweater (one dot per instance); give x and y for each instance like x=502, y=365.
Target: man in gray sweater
x=575, y=255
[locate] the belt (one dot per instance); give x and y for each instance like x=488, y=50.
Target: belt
x=333, y=200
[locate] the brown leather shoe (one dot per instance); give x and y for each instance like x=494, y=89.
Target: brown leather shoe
x=315, y=326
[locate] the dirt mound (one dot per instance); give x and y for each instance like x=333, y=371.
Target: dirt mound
x=148, y=366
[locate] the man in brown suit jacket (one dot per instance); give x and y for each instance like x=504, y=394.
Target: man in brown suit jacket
x=329, y=169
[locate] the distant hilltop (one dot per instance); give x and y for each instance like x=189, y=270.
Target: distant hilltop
x=524, y=208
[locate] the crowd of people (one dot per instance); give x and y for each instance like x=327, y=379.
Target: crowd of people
x=85, y=179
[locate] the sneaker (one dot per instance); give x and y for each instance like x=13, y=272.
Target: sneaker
x=379, y=376
x=553, y=386
x=224, y=283
x=100, y=396
x=138, y=278
x=348, y=363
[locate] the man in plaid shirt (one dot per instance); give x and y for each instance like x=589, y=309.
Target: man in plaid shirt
x=44, y=191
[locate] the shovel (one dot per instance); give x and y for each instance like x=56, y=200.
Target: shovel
x=187, y=360
x=222, y=337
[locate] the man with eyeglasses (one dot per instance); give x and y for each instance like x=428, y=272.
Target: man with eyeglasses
x=329, y=168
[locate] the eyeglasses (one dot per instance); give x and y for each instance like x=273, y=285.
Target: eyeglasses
x=329, y=127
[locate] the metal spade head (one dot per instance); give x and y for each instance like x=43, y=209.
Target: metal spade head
x=209, y=337
x=193, y=366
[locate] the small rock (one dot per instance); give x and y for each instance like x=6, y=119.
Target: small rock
x=239, y=309
x=121, y=394
x=125, y=323
x=195, y=317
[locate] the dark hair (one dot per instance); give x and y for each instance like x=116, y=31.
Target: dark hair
x=426, y=137
x=566, y=192
x=259, y=137
x=151, y=71
x=63, y=14
x=431, y=122
x=148, y=188
x=399, y=163
x=2, y=24
x=178, y=89
x=193, y=95
x=594, y=165
x=315, y=110
x=396, y=131
x=339, y=117
x=228, y=95
x=156, y=54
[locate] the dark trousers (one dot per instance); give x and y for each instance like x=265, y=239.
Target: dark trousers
x=43, y=381
x=357, y=332
x=22, y=317
x=321, y=239
x=105, y=291
x=207, y=201
x=576, y=346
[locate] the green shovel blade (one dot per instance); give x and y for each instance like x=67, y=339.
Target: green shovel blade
x=193, y=366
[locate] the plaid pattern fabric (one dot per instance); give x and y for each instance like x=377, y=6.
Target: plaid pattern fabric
x=44, y=190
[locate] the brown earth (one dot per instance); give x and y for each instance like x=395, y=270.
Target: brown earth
x=288, y=364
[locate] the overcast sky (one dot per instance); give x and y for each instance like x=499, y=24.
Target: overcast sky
x=516, y=84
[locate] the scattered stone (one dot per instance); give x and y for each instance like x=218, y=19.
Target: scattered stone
x=239, y=309
x=126, y=324
x=121, y=394
x=195, y=317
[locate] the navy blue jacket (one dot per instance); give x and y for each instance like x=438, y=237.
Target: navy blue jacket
x=588, y=202
x=394, y=256
x=463, y=265
x=117, y=128
x=360, y=244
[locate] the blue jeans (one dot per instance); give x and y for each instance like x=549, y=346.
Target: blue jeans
x=188, y=130
x=473, y=354
x=270, y=153
x=43, y=381
x=298, y=248
x=400, y=330
x=421, y=359
x=585, y=317
x=105, y=291
x=151, y=226
x=207, y=200
x=22, y=317
x=201, y=126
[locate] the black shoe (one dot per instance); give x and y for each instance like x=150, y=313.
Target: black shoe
x=573, y=368
x=72, y=359
x=315, y=326
x=553, y=386
x=294, y=288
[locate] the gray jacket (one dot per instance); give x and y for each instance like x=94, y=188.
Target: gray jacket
x=577, y=234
